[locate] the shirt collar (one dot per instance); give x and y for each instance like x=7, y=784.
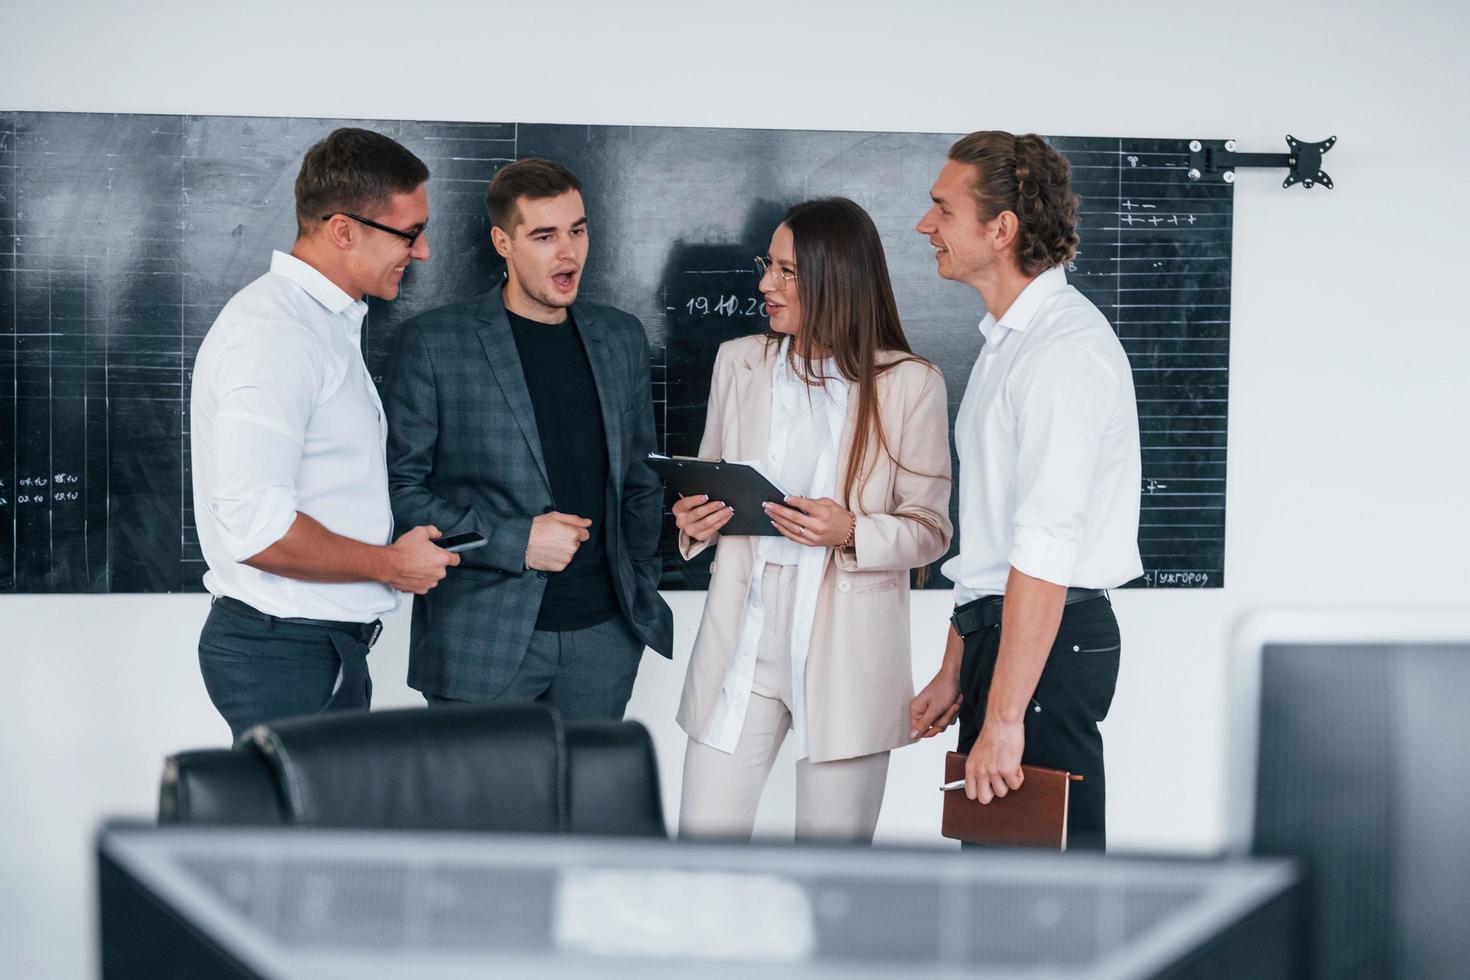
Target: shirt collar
x=316, y=285
x=1037, y=291
x=783, y=373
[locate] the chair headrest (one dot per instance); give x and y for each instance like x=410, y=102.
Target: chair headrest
x=612, y=780
x=217, y=786
x=477, y=767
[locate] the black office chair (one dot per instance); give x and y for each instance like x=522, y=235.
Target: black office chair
x=511, y=768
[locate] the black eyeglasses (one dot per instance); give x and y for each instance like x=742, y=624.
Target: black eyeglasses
x=409, y=236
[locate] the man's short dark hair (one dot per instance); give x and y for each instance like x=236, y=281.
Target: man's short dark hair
x=354, y=170
x=532, y=177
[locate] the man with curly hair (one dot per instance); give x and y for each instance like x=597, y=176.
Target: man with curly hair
x=1050, y=474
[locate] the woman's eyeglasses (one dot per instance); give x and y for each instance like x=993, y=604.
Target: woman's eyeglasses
x=763, y=265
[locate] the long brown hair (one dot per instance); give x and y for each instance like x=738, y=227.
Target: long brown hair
x=847, y=308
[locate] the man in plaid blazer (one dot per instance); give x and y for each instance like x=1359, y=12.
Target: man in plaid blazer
x=527, y=417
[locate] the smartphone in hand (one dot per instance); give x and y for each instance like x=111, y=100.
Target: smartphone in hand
x=463, y=541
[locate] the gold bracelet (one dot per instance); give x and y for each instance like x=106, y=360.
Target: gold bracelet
x=847, y=542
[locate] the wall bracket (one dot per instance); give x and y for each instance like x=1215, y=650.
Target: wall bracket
x=1208, y=158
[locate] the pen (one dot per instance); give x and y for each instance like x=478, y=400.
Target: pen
x=960, y=783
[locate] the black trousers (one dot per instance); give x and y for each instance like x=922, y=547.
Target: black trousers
x=1072, y=696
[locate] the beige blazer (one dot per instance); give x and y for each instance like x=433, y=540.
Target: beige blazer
x=859, y=678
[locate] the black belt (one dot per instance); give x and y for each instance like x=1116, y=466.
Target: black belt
x=984, y=612
x=367, y=633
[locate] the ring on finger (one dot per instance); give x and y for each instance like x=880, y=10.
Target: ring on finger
x=800, y=530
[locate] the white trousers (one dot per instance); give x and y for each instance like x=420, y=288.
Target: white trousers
x=837, y=800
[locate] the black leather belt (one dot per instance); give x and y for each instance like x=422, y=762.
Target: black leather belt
x=984, y=612
x=367, y=633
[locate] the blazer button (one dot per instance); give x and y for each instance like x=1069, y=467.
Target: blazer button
x=540, y=574
x=844, y=586
x=714, y=566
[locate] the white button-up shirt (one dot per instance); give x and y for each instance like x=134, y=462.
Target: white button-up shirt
x=1047, y=437
x=805, y=430
x=285, y=418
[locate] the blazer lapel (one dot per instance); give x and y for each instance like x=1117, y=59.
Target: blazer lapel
x=750, y=406
x=610, y=395
x=505, y=363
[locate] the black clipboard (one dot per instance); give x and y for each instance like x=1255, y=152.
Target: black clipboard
x=739, y=485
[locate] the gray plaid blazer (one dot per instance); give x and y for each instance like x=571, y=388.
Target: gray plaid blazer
x=464, y=455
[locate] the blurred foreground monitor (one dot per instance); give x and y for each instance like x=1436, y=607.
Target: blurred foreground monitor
x=1350, y=742
x=288, y=903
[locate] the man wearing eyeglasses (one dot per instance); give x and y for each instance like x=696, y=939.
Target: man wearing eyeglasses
x=287, y=438
x=527, y=416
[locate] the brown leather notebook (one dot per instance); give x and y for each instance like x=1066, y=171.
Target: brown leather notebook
x=1033, y=816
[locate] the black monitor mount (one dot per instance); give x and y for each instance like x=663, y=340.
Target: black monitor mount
x=1209, y=158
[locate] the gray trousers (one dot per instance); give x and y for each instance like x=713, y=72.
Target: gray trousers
x=259, y=668
x=585, y=674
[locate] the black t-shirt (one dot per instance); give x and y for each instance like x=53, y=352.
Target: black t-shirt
x=573, y=441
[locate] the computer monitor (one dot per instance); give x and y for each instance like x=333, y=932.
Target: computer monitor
x=183, y=901
x=1350, y=738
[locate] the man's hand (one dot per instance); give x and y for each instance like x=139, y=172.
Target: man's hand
x=701, y=518
x=993, y=767
x=822, y=522
x=555, y=538
x=1028, y=626
x=934, y=708
x=415, y=563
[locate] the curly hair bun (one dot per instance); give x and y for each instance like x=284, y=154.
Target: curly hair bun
x=1024, y=175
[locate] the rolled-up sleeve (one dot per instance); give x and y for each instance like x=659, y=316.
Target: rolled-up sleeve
x=266, y=389
x=1062, y=395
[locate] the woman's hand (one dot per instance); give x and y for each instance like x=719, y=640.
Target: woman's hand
x=935, y=707
x=701, y=518
x=823, y=522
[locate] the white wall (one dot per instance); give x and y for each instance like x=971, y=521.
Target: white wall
x=1349, y=348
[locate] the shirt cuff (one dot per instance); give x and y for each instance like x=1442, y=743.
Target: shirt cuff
x=1038, y=554
x=252, y=525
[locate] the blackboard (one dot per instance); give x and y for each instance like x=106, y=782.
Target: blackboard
x=121, y=236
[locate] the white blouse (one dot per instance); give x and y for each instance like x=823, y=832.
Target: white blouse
x=806, y=429
x=800, y=433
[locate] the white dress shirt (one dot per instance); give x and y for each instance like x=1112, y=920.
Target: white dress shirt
x=801, y=433
x=806, y=427
x=285, y=418
x=1047, y=437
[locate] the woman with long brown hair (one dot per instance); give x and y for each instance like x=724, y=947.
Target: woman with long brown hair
x=808, y=631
